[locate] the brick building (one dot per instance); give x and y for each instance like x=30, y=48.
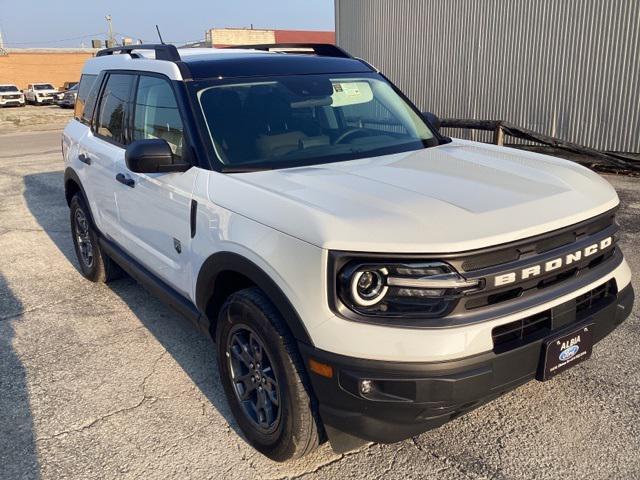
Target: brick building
x=55, y=65
x=221, y=37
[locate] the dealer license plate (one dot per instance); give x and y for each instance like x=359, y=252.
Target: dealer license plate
x=562, y=353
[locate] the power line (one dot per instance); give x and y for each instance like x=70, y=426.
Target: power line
x=93, y=35
x=59, y=40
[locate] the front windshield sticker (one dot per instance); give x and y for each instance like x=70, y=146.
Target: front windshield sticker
x=351, y=93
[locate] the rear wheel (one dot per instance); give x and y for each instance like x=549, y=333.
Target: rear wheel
x=263, y=377
x=95, y=265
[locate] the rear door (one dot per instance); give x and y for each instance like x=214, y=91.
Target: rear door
x=155, y=208
x=74, y=145
x=103, y=148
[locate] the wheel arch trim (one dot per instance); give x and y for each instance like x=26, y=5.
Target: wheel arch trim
x=232, y=262
x=71, y=175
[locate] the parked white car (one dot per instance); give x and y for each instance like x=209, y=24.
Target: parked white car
x=11, y=96
x=365, y=277
x=40, y=93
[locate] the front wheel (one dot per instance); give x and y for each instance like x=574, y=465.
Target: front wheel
x=263, y=378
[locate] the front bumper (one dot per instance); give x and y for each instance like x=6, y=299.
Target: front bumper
x=6, y=102
x=410, y=398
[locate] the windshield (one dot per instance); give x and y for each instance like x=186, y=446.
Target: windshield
x=43, y=86
x=307, y=119
x=8, y=88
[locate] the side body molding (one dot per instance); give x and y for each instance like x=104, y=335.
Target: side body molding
x=232, y=262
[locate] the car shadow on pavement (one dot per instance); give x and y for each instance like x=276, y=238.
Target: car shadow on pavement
x=18, y=456
x=192, y=350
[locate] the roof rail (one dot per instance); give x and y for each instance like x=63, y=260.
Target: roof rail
x=163, y=51
x=320, y=49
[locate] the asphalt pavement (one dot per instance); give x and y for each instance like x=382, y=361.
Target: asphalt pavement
x=104, y=381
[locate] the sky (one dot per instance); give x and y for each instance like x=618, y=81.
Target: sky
x=51, y=23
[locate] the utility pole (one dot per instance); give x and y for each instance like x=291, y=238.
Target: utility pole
x=111, y=39
x=3, y=52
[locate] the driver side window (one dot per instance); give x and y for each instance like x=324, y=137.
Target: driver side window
x=157, y=114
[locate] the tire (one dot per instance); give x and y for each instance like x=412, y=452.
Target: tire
x=290, y=427
x=95, y=265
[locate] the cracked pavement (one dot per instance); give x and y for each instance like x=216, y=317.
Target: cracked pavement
x=104, y=381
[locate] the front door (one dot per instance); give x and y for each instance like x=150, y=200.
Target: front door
x=154, y=208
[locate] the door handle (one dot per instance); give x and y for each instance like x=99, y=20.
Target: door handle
x=124, y=180
x=84, y=159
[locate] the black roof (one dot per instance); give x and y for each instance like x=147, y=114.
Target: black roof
x=262, y=60
x=266, y=64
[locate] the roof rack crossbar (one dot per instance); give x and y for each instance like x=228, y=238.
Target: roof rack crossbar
x=163, y=51
x=320, y=49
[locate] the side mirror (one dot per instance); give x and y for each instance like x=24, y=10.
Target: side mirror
x=152, y=156
x=432, y=120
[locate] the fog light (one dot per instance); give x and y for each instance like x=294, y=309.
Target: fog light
x=366, y=386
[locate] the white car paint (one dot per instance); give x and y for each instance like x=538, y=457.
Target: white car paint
x=451, y=198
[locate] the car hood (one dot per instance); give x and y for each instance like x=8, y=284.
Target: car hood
x=455, y=197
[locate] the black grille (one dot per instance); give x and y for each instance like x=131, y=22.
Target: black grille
x=485, y=299
x=537, y=245
x=595, y=299
x=521, y=331
x=526, y=330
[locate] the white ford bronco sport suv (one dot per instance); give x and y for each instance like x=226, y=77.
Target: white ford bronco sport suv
x=364, y=277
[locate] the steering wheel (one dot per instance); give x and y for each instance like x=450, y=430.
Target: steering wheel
x=349, y=133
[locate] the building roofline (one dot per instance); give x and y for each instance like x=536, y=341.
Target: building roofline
x=51, y=50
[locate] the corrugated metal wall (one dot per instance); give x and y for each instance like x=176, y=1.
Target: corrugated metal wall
x=567, y=68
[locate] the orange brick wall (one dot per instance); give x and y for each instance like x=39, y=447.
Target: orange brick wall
x=55, y=68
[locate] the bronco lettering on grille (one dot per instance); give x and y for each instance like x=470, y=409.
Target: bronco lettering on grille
x=550, y=265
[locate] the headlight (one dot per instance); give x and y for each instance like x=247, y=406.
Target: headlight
x=394, y=289
x=368, y=287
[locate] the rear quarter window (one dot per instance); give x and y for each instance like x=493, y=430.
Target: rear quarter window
x=83, y=109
